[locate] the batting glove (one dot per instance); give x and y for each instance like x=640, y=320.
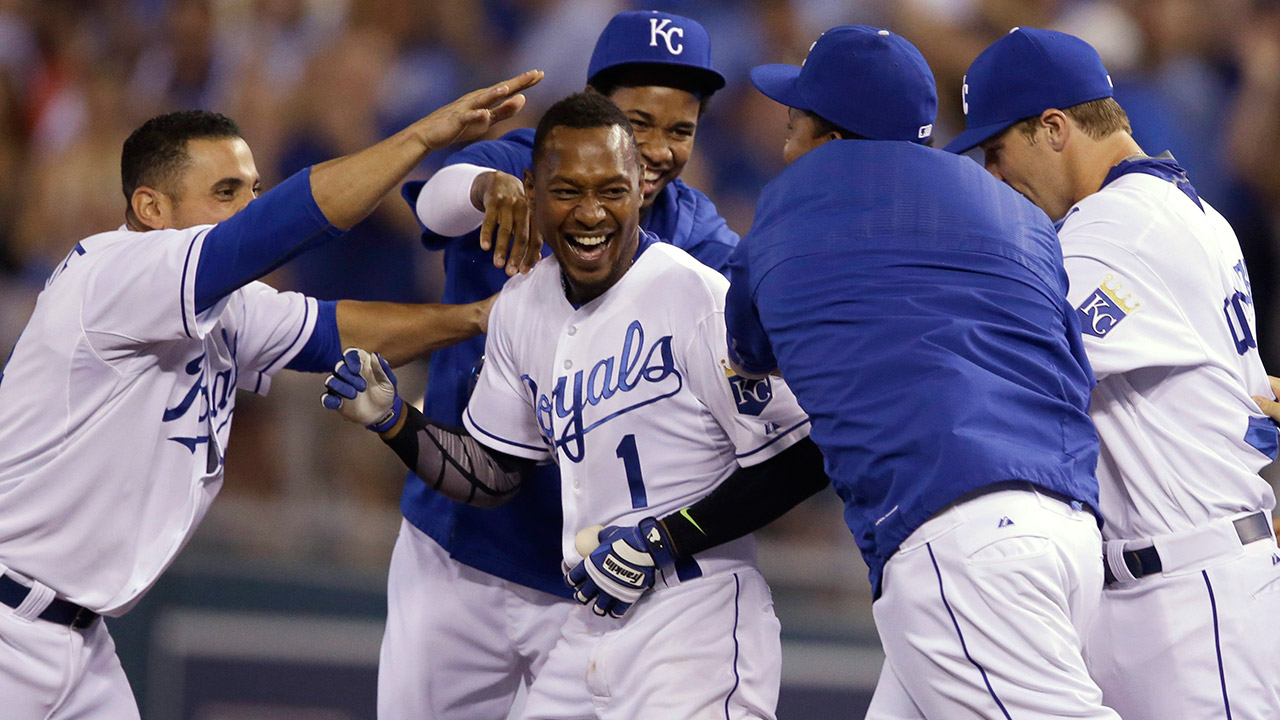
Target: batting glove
x=362, y=389
x=614, y=576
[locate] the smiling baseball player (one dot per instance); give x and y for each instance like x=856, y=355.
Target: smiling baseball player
x=609, y=359
x=501, y=568
x=116, y=404
x=1189, y=625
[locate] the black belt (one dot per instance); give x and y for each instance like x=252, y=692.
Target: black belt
x=59, y=611
x=1250, y=528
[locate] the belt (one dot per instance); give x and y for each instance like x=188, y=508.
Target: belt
x=61, y=612
x=1250, y=528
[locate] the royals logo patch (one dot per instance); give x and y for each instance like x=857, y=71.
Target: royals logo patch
x=751, y=396
x=1106, y=307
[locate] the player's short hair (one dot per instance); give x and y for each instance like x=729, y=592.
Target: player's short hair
x=822, y=126
x=607, y=81
x=580, y=111
x=156, y=153
x=1097, y=118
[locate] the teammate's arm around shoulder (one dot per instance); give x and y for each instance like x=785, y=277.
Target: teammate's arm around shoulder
x=362, y=388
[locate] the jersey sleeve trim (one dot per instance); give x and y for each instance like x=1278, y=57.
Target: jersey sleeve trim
x=772, y=446
x=501, y=444
x=305, y=328
x=187, y=291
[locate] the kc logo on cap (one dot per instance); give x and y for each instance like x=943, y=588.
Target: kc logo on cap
x=659, y=26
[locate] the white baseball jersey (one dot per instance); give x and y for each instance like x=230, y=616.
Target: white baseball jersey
x=631, y=394
x=115, y=409
x=1168, y=324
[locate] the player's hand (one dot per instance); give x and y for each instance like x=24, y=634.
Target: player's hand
x=471, y=115
x=362, y=389
x=621, y=569
x=506, y=222
x=1268, y=406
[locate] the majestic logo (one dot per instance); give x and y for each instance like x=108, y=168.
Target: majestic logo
x=1004, y=522
x=1106, y=307
x=634, y=368
x=659, y=26
x=751, y=396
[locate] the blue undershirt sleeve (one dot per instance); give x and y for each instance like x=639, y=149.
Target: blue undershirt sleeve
x=324, y=348
x=749, y=346
x=273, y=229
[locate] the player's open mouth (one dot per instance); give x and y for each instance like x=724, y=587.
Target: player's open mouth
x=651, y=182
x=588, y=247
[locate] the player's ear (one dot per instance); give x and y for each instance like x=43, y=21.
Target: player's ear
x=528, y=189
x=1057, y=128
x=151, y=207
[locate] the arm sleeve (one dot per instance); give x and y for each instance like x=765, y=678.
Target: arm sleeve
x=324, y=347
x=266, y=234
x=276, y=328
x=1129, y=318
x=748, y=500
x=748, y=343
x=453, y=464
x=501, y=412
x=761, y=417
x=444, y=204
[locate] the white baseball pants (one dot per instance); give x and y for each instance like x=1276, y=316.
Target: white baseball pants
x=459, y=643
x=704, y=650
x=983, y=610
x=52, y=672
x=1199, y=642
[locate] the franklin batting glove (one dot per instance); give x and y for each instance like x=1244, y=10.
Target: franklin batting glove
x=362, y=389
x=618, y=572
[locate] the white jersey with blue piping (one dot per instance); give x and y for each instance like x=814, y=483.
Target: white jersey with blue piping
x=1159, y=282
x=102, y=486
x=630, y=393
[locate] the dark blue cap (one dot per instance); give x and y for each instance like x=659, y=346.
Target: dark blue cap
x=864, y=79
x=1023, y=74
x=649, y=37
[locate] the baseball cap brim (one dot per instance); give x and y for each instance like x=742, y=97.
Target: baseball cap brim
x=975, y=136
x=780, y=83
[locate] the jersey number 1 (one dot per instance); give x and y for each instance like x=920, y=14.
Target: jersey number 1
x=631, y=463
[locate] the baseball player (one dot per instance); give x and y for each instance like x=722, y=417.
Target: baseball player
x=1189, y=625
x=917, y=309
x=609, y=359
x=116, y=404
x=501, y=568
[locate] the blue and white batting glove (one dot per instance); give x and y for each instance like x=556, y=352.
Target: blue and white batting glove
x=614, y=575
x=362, y=389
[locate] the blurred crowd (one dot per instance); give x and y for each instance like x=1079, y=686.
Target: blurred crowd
x=312, y=79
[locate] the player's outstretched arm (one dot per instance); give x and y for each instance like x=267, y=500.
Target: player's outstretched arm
x=622, y=566
x=1269, y=405
x=399, y=332
x=362, y=389
x=348, y=188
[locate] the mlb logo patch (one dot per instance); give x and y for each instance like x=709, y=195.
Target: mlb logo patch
x=1105, y=307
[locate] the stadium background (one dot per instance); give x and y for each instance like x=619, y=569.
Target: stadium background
x=275, y=610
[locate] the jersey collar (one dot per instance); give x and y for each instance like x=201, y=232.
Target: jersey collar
x=1162, y=166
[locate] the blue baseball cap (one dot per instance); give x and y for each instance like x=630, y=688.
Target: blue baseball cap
x=864, y=79
x=1023, y=74
x=649, y=37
